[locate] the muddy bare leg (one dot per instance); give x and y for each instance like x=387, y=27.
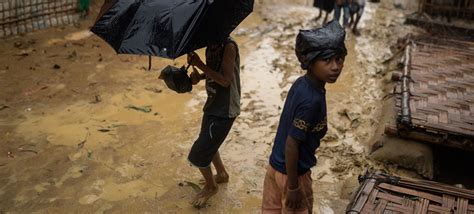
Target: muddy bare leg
x=210, y=188
x=351, y=22
x=221, y=176
x=354, y=28
x=326, y=18
x=320, y=14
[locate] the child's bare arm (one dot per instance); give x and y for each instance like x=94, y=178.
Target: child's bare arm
x=294, y=197
x=291, y=160
x=228, y=62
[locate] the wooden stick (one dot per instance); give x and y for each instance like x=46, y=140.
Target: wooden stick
x=444, y=140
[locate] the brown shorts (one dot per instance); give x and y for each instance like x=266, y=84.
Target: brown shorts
x=274, y=192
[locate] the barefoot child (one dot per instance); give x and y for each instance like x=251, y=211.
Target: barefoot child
x=288, y=185
x=356, y=11
x=222, y=75
x=326, y=6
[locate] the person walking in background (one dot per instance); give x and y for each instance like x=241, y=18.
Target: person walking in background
x=356, y=9
x=326, y=6
x=344, y=5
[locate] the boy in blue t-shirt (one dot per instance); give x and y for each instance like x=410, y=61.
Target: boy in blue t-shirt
x=303, y=122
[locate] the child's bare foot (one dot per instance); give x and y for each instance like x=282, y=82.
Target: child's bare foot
x=219, y=178
x=355, y=32
x=203, y=196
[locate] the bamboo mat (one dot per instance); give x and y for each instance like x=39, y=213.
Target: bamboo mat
x=384, y=194
x=440, y=91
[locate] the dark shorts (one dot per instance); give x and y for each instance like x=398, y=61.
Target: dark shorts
x=355, y=8
x=214, y=130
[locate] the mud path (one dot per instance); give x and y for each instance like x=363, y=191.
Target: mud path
x=85, y=130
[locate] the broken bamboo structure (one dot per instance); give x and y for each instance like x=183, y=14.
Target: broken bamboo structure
x=384, y=194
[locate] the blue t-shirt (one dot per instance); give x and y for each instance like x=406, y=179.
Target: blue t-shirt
x=303, y=118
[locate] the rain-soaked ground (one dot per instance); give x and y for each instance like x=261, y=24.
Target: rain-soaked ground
x=85, y=130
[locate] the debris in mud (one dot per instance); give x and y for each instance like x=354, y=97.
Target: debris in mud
x=321, y=175
x=341, y=129
x=355, y=123
x=29, y=150
x=10, y=155
x=67, y=44
x=196, y=187
x=154, y=90
x=23, y=53
x=350, y=115
x=3, y=107
x=72, y=55
x=24, y=45
x=98, y=99
x=250, y=183
x=83, y=142
x=202, y=206
x=56, y=66
x=80, y=44
x=18, y=44
x=339, y=167
x=146, y=109
x=35, y=90
x=330, y=137
x=354, y=117
x=104, y=130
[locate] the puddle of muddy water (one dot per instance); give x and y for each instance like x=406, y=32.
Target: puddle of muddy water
x=98, y=123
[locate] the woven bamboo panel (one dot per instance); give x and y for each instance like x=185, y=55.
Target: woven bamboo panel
x=383, y=194
x=460, y=8
x=442, y=89
x=441, y=93
x=22, y=16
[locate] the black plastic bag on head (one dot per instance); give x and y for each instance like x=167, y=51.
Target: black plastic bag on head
x=320, y=43
x=176, y=79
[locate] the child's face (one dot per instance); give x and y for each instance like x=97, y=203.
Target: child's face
x=328, y=70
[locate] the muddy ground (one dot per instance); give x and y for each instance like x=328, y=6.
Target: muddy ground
x=85, y=130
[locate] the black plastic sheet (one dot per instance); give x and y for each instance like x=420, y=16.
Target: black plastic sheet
x=168, y=28
x=320, y=43
x=176, y=79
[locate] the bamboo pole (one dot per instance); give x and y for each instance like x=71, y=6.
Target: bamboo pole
x=405, y=117
x=439, y=139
